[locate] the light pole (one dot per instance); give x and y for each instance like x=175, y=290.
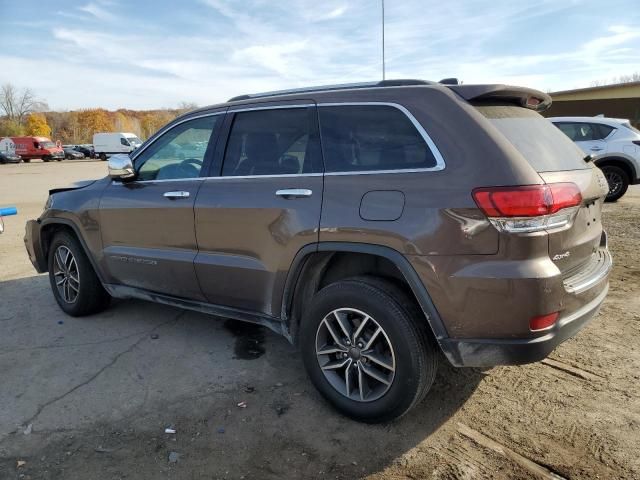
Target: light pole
x=383, y=60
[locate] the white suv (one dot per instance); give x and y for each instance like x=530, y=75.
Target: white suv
x=614, y=145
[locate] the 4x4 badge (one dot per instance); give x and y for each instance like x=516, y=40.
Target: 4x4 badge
x=560, y=256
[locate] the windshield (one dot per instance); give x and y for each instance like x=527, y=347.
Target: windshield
x=134, y=140
x=544, y=146
x=47, y=145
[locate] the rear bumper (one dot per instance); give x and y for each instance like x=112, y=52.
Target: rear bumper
x=491, y=352
x=34, y=246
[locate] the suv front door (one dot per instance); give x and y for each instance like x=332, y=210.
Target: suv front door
x=260, y=206
x=147, y=224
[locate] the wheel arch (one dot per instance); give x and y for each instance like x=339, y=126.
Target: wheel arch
x=310, y=268
x=51, y=226
x=622, y=162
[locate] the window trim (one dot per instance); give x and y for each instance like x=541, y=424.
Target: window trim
x=440, y=164
x=157, y=137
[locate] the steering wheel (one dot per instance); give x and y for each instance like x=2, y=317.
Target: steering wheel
x=192, y=162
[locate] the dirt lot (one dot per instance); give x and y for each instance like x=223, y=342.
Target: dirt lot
x=91, y=398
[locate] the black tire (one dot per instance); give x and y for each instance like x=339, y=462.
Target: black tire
x=103, y=156
x=416, y=354
x=618, y=182
x=91, y=297
x=46, y=159
x=26, y=160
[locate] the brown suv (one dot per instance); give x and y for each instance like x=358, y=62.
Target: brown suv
x=374, y=225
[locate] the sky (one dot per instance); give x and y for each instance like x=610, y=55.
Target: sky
x=158, y=53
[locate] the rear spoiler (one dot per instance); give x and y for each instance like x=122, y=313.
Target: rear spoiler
x=521, y=96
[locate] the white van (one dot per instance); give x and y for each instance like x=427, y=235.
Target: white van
x=107, y=144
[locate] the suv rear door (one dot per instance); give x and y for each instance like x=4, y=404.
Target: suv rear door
x=260, y=205
x=147, y=224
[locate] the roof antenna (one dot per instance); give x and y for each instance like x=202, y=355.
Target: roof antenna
x=383, y=73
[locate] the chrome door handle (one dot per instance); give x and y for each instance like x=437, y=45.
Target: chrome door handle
x=175, y=195
x=290, y=193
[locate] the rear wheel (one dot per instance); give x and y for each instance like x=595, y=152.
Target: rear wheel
x=74, y=283
x=618, y=182
x=103, y=156
x=26, y=160
x=367, y=350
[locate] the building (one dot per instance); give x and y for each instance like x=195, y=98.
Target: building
x=620, y=100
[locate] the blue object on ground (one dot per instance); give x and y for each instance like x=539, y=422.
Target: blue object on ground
x=6, y=211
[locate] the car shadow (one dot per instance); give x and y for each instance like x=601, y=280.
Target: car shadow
x=110, y=383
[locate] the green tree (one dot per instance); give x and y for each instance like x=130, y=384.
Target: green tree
x=10, y=128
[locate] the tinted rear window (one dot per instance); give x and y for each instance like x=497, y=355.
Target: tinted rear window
x=371, y=138
x=545, y=147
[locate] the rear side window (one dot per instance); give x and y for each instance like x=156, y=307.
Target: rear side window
x=273, y=142
x=371, y=138
x=543, y=145
x=584, y=132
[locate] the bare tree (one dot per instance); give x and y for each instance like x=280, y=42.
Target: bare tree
x=18, y=104
x=634, y=77
x=184, y=107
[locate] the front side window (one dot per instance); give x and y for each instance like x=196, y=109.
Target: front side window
x=272, y=142
x=179, y=152
x=124, y=142
x=370, y=138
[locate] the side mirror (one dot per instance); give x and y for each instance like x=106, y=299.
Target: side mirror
x=120, y=167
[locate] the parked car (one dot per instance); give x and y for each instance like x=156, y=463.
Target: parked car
x=358, y=222
x=107, y=144
x=37, y=147
x=87, y=150
x=70, y=153
x=8, y=157
x=612, y=143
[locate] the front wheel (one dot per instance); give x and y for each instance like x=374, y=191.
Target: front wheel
x=103, y=156
x=46, y=159
x=74, y=283
x=618, y=181
x=366, y=348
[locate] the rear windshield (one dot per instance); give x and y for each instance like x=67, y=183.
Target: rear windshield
x=545, y=147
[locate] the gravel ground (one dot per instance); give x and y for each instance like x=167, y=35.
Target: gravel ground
x=91, y=398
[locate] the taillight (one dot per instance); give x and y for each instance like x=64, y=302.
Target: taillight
x=529, y=208
x=543, y=322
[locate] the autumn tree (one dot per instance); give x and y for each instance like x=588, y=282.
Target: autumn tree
x=37, y=126
x=93, y=121
x=152, y=121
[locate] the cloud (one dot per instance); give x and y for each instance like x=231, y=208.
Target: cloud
x=210, y=50
x=98, y=10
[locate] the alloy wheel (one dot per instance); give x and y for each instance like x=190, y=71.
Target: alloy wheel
x=615, y=182
x=355, y=354
x=66, y=274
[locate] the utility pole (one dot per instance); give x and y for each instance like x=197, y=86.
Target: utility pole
x=383, y=66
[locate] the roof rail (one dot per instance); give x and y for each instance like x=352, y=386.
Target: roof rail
x=343, y=86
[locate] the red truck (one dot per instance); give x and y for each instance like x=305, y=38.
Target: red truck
x=37, y=147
